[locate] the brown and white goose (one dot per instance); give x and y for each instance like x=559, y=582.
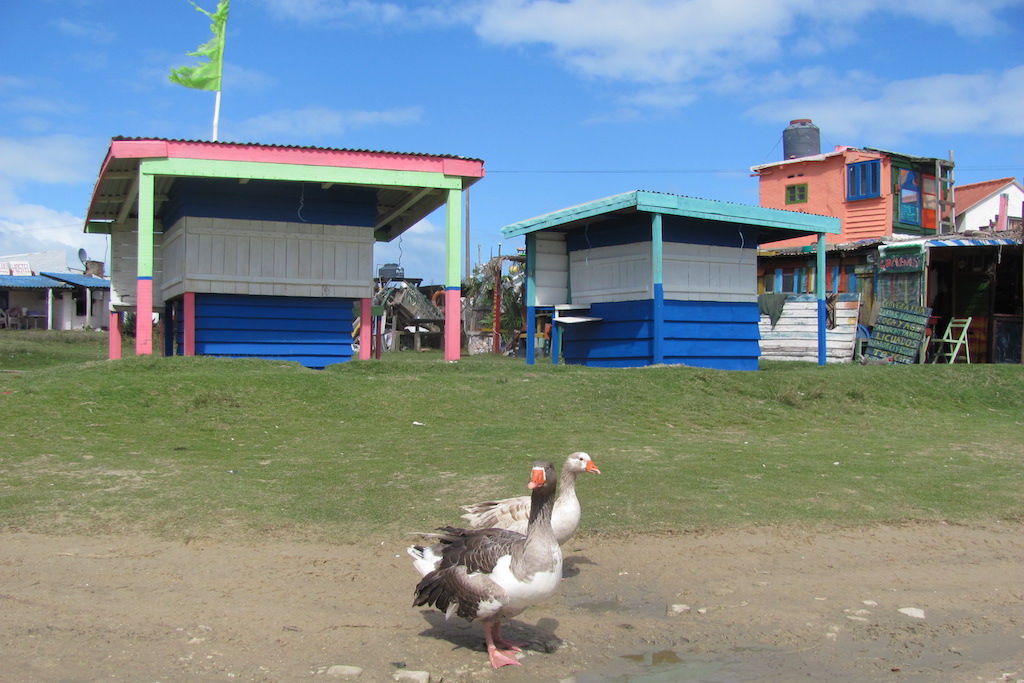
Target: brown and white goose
x=513, y=513
x=494, y=574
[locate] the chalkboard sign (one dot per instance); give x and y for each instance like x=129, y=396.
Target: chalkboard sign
x=1006, y=330
x=898, y=333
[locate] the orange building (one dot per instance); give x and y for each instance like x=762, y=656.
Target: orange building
x=874, y=193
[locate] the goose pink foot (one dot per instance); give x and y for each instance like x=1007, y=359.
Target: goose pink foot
x=502, y=643
x=498, y=657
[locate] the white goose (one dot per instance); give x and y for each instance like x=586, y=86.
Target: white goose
x=494, y=574
x=513, y=513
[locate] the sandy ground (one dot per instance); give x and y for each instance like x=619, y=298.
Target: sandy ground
x=753, y=605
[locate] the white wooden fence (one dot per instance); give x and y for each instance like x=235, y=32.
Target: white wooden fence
x=795, y=336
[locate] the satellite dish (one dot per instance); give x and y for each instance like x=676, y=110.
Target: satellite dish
x=82, y=256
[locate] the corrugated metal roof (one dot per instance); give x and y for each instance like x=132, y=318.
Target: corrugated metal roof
x=30, y=282
x=772, y=224
x=309, y=147
x=911, y=157
x=399, y=207
x=86, y=281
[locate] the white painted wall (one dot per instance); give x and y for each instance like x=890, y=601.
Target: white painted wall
x=700, y=272
x=619, y=273
x=551, y=274
x=979, y=216
x=124, y=240
x=268, y=258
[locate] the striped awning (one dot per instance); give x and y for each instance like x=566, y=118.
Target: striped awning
x=995, y=242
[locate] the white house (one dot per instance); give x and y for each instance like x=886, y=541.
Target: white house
x=989, y=205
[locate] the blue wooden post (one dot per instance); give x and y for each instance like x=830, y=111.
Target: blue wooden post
x=819, y=291
x=556, y=342
x=658, y=323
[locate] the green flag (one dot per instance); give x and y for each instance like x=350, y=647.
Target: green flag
x=206, y=76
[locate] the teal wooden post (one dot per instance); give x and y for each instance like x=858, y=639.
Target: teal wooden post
x=531, y=298
x=819, y=291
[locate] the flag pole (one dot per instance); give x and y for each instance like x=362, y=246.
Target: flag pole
x=216, y=116
x=207, y=75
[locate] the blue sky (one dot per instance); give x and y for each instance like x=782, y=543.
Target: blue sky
x=566, y=102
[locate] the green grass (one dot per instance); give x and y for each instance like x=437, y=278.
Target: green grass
x=182, y=447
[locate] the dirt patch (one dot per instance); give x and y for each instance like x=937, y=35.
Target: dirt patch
x=751, y=605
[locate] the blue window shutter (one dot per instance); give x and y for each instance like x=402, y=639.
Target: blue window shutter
x=863, y=179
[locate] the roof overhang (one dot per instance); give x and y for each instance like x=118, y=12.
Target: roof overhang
x=409, y=186
x=30, y=282
x=87, y=281
x=772, y=224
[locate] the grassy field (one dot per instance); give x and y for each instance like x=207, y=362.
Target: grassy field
x=184, y=447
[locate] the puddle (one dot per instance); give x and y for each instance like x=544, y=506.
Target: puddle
x=655, y=658
x=672, y=666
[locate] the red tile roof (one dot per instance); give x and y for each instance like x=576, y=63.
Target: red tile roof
x=969, y=195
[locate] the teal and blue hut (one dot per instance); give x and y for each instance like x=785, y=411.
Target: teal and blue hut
x=645, y=278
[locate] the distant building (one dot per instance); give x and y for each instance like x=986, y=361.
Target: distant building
x=39, y=291
x=872, y=192
x=907, y=236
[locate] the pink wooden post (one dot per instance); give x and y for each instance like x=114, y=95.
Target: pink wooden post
x=114, y=336
x=189, y=324
x=144, y=317
x=365, y=328
x=452, y=323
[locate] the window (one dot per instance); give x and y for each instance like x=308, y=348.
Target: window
x=796, y=194
x=910, y=197
x=863, y=179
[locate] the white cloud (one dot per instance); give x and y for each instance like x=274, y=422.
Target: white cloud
x=969, y=18
x=420, y=251
x=48, y=159
x=318, y=123
x=649, y=41
x=946, y=104
x=678, y=41
x=318, y=11
x=29, y=228
x=59, y=160
x=88, y=30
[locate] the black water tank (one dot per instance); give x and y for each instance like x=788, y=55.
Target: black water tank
x=801, y=139
x=391, y=271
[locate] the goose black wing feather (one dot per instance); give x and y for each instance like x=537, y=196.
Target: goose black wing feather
x=478, y=550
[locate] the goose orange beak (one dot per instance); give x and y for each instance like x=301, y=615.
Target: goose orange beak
x=537, y=478
x=591, y=467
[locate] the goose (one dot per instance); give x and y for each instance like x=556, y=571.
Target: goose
x=513, y=513
x=493, y=574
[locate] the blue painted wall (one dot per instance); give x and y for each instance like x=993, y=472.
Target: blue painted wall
x=311, y=331
x=717, y=335
x=270, y=201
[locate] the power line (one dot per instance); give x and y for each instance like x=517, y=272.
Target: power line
x=617, y=171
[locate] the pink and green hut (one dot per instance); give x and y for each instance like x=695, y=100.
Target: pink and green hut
x=265, y=251
x=644, y=278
